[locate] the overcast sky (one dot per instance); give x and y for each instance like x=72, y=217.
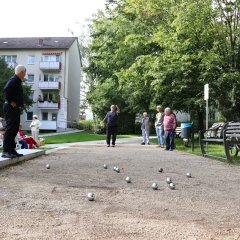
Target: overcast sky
x=50, y=18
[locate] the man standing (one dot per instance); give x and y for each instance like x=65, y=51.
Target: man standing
x=111, y=120
x=13, y=92
x=169, y=124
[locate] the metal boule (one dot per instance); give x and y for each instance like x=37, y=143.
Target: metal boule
x=160, y=170
x=117, y=169
x=168, y=180
x=48, y=166
x=189, y=175
x=91, y=196
x=105, y=166
x=128, y=179
x=172, y=185
x=154, y=186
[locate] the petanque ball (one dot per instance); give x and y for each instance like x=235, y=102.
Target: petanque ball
x=172, y=185
x=105, y=166
x=91, y=196
x=128, y=179
x=160, y=170
x=117, y=169
x=154, y=186
x=189, y=175
x=48, y=166
x=168, y=180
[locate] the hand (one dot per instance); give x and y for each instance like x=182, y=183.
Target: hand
x=13, y=104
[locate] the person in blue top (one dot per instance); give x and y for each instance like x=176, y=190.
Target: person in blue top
x=111, y=119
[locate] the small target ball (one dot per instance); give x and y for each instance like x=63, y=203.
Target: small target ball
x=91, y=196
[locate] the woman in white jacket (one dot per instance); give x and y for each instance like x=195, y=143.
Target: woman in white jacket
x=35, y=125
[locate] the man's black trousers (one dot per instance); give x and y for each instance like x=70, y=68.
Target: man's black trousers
x=111, y=130
x=12, y=117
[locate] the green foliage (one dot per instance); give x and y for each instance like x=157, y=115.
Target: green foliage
x=145, y=53
x=5, y=74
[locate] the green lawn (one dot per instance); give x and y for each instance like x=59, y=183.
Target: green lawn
x=213, y=149
x=78, y=137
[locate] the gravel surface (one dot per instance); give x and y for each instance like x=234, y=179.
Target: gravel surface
x=40, y=203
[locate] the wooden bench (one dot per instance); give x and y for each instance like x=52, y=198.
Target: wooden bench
x=230, y=140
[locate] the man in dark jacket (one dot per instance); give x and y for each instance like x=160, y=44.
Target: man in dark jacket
x=111, y=121
x=13, y=93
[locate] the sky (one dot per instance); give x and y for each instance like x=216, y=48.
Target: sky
x=46, y=18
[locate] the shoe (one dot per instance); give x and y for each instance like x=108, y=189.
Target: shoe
x=113, y=145
x=166, y=149
x=142, y=143
x=108, y=145
x=162, y=146
x=16, y=153
x=148, y=143
x=170, y=149
x=8, y=155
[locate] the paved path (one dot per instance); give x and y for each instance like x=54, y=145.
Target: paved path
x=120, y=141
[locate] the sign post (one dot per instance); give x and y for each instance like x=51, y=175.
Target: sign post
x=206, y=97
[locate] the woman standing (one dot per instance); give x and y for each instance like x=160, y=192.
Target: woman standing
x=35, y=125
x=159, y=126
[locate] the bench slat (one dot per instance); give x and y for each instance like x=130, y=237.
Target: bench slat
x=212, y=140
x=233, y=132
x=233, y=127
x=234, y=124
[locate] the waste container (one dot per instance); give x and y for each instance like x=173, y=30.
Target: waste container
x=186, y=130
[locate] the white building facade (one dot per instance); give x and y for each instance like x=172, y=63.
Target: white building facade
x=54, y=74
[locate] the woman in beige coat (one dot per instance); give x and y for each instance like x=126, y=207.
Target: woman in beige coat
x=35, y=125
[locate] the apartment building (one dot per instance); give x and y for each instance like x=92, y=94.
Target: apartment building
x=54, y=74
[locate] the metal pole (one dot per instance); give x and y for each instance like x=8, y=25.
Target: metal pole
x=206, y=120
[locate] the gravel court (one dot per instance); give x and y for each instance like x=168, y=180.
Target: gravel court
x=40, y=203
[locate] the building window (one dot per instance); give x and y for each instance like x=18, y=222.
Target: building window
x=31, y=59
x=10, y=59
x=51, y=58
x=29, y=116
x=45, y=116
x=31, y=96
x=50, y=78
x=54, y=116
x=50, y=96
x=30, y=78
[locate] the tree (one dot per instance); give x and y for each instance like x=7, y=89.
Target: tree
x=163, y=52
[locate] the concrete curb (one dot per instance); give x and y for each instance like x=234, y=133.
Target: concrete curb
x=28, y=154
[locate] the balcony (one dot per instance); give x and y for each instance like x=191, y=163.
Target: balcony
x=48, y=125
x=48, y=105
x=49, y=85
x=48, y=66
